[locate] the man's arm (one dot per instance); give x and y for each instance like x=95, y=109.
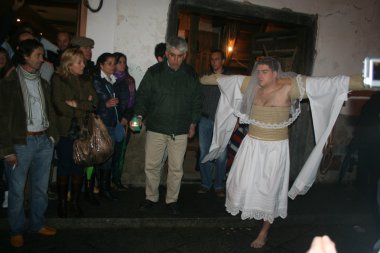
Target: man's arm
x=143, y=94
x=197, y=102
x=210, y=79
x=356, y=83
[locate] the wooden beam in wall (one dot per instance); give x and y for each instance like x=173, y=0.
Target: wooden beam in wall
x=82, y=20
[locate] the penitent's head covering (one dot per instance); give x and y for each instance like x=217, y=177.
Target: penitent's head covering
x=249, y=95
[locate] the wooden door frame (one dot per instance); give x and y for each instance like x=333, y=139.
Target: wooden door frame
x=82, y=20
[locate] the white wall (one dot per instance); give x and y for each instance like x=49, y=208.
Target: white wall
x=132, y=27
x=347, y=31
x=101, y=27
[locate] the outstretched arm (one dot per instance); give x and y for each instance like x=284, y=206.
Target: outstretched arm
x=210, y=79
x=356, y=83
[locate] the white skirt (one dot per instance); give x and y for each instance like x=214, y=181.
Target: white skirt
x=257, y=185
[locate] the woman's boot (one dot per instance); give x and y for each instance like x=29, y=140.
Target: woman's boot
x=105, y=185
x=76, y=187
x=62, y=184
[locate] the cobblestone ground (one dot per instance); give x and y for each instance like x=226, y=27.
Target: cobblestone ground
x=287, y=239
x=204, y=226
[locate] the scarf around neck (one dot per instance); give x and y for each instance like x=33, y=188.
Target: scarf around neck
x=26, y=77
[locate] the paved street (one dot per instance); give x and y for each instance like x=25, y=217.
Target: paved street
x=204, y=226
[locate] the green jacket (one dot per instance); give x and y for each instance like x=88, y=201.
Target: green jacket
x=72, y=88
x=13, y=127
x=169, y=100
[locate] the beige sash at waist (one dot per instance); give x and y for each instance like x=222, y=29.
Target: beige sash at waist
x=269, y=115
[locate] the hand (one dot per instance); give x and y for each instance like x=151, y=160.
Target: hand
x=124, y=122
x=71, y=103
x=11, y=159
x=89, y=98
x=210, y=79
x=112, y=102
x=191, y=133
x=322, y=244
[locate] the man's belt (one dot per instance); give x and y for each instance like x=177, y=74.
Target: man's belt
x=36, y=133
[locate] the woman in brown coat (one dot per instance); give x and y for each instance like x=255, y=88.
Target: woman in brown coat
x=73, y=96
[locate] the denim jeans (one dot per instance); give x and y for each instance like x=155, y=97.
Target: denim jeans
x=33, y=158
x=205, y=128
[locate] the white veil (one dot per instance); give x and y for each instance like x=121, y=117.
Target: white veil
x=249, y=95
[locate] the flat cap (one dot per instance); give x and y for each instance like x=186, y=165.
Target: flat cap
x=82, y=42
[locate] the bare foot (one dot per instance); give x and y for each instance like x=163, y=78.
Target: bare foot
x=260, y=241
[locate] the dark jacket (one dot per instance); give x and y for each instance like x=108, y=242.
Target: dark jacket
x=210, y=98
x=170, y=100
x=13, y=127
x=89, y=70
x=126, y=91
x=71, y=88
x=105, y=91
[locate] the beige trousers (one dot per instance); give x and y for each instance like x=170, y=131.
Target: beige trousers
x=155, y=147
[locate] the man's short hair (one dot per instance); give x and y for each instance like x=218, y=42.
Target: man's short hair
x=159, y=50
x=220, y=52
x=23, y=32
x=26, y=48
x=64, y=32
x=178, y=43
x=271, y=62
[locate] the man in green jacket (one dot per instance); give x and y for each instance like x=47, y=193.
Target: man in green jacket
x=27, y=136
x=169, y=99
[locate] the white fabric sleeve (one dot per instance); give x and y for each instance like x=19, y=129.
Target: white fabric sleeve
x=326, y=95
x=225, y=120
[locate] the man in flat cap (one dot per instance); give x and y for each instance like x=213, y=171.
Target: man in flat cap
x=85, y=45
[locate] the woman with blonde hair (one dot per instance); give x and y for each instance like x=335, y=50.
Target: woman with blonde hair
x=72, y=96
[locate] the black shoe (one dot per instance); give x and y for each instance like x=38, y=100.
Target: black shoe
x=173, y=207
x=203, y=190
x=147, y=205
